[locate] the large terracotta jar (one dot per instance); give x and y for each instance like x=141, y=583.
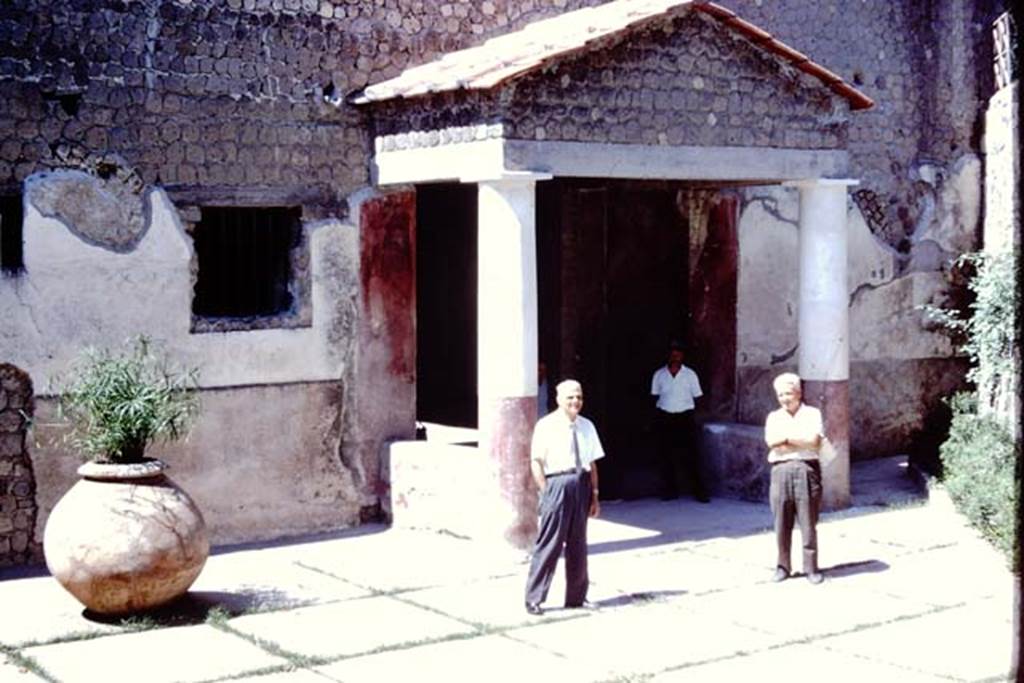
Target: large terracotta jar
x=125, y=538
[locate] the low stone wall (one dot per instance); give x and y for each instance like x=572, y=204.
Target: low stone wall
x=261, y=462
x=443, y=487
x=734, y=460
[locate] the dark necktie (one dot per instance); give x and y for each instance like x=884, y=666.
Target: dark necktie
x=576, y=449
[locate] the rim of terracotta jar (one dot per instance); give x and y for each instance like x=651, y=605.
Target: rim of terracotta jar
x=117, y=471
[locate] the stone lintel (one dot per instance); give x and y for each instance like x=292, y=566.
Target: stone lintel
x=604, y=160
x=449, y=162
x=821, y=182
x=508, y=178
x=499, y=158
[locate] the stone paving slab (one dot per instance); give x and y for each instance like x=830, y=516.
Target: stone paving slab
x=403, y=559
x=296, y=676
x=269, y=579
x=796, y=609
x=682, y=520
x=494, y=659
x=683, y=592
x=14, y=673
x=644, y=638
x=45, y=611
x=668, y=574
x=492, y=603
x=349, y=628
x=943, y=577
x=187, y=653
x=914, y=528
x=958, y=642
x=796, y=664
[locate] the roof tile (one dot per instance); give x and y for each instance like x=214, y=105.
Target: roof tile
x=503, y=57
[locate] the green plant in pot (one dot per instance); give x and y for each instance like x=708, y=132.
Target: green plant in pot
x=125, y=538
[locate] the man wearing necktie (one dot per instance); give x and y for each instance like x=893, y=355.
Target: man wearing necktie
x=563, y=457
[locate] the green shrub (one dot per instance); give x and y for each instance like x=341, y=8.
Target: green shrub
x=118, y=402
x=979, y=460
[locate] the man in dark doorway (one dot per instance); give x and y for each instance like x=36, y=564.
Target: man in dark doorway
x=676, y=389
x=543, y=391
x=794, y=434
x=563, y=457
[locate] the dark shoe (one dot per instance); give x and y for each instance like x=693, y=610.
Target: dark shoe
x=703, y=498
x=781, y=574
x=586, y=604
x=534, y=609
x=815, y=577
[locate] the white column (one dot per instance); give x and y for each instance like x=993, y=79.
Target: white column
x=507, y=343
x=824, y=334
x=824, y=293
x=507, y=287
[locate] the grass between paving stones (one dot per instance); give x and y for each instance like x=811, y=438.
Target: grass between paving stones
x=376, y=592
x=300, y=661
x=373, y=592
x=293, y=658
x=809, y=640
x=27, y=663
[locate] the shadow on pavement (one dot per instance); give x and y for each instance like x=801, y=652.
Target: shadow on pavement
x=852, y=568
x=197, y=607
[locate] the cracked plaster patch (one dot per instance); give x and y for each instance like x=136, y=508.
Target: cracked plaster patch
x=888, y=321
x=955, y=217
x=108, y=213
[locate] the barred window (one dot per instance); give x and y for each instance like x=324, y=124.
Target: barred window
x=1004, y=38
x=244, y=259
x=11, y=240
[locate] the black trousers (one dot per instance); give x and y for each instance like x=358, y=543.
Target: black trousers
x=677, y=454
x=795, y=494
x=564, y=509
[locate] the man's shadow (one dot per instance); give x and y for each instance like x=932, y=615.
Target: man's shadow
x=844, y=569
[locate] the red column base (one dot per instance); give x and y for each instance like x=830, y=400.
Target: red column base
x=506, y=428
x=833, y=399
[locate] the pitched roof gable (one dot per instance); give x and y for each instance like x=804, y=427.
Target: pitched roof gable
x=514, y=54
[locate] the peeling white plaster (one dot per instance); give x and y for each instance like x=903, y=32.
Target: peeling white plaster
x=73, y=294
x=954, y=221
x=884, y=319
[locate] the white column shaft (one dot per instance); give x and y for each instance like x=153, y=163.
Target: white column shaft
x=823, y=304
x=507, y=289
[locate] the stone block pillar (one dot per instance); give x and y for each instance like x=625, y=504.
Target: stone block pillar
x=824, y=338
x=18, y=507
x=507, y=345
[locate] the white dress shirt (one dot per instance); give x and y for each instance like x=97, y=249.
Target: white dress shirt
x=675, y=394
x=552, y=442
x=804, y=425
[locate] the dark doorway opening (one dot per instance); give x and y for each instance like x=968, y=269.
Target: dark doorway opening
x=622, y=270
x=446, y=262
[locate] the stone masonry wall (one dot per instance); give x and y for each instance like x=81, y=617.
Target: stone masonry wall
x=928, y=68
x=18, y=543
x=688, y=81
x=214, y=100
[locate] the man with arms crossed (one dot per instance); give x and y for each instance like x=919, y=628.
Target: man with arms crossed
x=563, y=452
x=794, y=433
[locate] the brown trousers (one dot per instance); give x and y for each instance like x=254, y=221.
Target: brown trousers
x=795, y=493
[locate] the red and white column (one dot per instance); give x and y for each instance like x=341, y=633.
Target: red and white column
x=824, y=338
x=507, y=344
